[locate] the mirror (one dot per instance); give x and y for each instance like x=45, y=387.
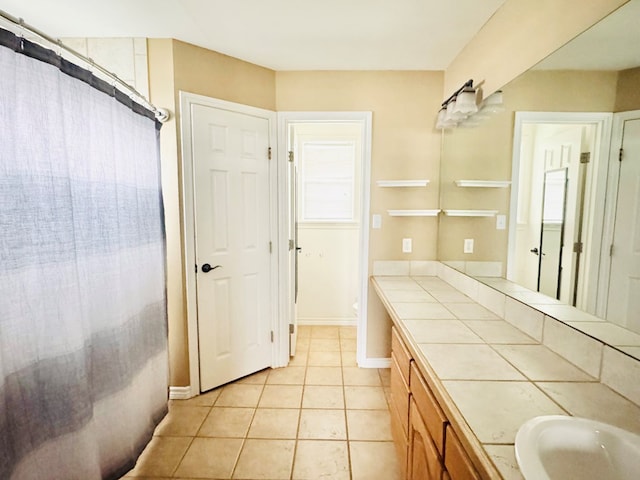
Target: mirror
x=547, y=166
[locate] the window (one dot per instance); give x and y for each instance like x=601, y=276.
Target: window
x=327, y=181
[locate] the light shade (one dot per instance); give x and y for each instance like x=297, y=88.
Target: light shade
x=465, y=102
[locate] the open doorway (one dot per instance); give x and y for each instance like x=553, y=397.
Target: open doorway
x=327, y=177
x=557, y=204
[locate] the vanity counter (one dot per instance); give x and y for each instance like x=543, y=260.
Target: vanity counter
x=488, y=376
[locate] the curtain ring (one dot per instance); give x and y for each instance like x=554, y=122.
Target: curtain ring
x=21, y=43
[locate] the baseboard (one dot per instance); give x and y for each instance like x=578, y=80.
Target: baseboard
x=375, y=363
x=330, y=322
x=180, y=393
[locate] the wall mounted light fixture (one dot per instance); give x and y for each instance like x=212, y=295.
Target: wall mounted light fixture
x=461, y=107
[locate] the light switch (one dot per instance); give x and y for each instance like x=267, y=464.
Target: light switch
x=501, y=222
x=376, y=221
x=406, y=245
x=468, y=245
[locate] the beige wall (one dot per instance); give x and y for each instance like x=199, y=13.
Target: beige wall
x=486, y=153
x=519, y=35
x=404, y=146
x=628, y=93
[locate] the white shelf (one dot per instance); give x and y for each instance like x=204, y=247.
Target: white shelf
x=470, y=213
x=483, y=183
x=413, y=213
x=402, y=183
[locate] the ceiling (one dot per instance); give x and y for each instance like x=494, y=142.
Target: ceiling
x=280, y=34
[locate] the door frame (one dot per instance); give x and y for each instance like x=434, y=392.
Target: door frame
x=284, y=120
x=187, y=100
x=596, y=214
x=617, y=136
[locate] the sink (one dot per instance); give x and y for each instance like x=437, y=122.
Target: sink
x=557, y=447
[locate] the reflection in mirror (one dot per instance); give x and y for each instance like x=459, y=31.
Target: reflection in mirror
x=552, y=232
x=549, y=125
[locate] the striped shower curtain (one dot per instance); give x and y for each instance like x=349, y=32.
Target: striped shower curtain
x=83, y=328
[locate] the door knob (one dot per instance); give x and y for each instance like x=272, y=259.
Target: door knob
x=535, y=251
x=206, y=268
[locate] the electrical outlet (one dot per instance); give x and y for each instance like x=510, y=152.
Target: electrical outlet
x=406, y=245
x=468, y=245
x=501, y=222
x=376, y=221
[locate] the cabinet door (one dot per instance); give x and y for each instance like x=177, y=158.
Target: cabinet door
x=456, y=459
x=424, y=461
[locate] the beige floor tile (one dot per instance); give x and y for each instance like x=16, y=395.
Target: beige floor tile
x=349, y=359
x=361, y=376
x=385, y=376
x=302, y=344
x=369, y=425
x=210, y=458
x=315, y=459
x=304, y=331
x=265, y=459
x=365, y=398
x=322, y=396
x=322, y=331
x=374, y=460
x=281, y=396
x=348, y=344
x=161, y=457
x=322, y=424
x=324, y=345
x=287, y=376
x=258, y=378
x=227, y=422
x=235, y=395
x=324, y=359
x=274, y=423
x=299, y=359
x=203, y=400
x=348, y=332
x=324, y=376
x=182, y=421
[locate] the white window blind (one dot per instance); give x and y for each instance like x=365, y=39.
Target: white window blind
x=327, y=181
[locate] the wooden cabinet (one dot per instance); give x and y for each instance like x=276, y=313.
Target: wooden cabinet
x=456, y=459
x=424, y=460
x=427, y=445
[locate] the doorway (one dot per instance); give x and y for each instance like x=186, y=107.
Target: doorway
x=558, y=255
x=327, y=169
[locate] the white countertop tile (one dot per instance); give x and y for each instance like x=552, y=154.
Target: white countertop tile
x=470, y=311
x=504, y=457
x=595, y=401
x=498, y=331
x=468, y=362
x=496, y=410
x=409, y=296
x=422, y=311
x=441, y=331
x=539, y=363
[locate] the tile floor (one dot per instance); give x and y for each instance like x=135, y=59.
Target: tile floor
x=321, y=417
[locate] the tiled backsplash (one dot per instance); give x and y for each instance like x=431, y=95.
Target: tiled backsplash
x=613, y=368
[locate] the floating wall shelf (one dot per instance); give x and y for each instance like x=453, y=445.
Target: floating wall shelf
x=402, y=183
x=413, y=213
x=470, y=213
x=483, y=183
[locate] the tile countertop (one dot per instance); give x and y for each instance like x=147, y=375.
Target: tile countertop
x=489, y=376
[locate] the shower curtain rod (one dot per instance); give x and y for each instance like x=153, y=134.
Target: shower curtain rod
x=161, y=114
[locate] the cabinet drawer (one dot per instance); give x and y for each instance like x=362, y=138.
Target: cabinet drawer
x=433, y=415
x=403, y=356
x=456, y=460
x=399, y=394
x=424, y=462
x=400, y=441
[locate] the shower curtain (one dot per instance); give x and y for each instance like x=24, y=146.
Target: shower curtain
x=83, y=327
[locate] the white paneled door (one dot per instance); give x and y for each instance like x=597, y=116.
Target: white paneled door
x=233, y=250
x=624, y=283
